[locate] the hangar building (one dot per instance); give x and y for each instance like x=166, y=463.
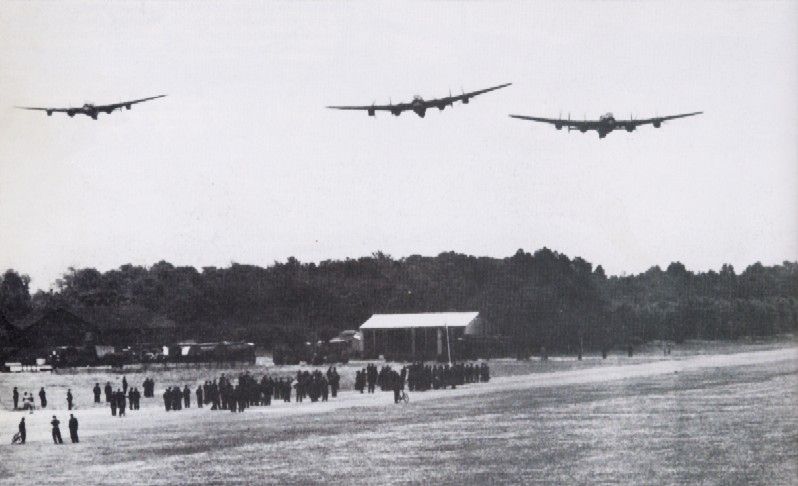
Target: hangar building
x=427, y=336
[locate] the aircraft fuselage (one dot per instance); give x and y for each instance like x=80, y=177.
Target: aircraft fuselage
x=89, y=110
x=606, y=125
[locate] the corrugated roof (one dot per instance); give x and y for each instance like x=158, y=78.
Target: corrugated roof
x=428, y=319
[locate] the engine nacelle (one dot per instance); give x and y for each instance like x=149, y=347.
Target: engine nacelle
x=465, y=101
x=657, y=124
x=558, y=127
x=371, y=111
x=49, y=113
x=583, y=130
x=127, y=106
x=71, y=113
x=396, y=112
x=441, y=107
x=630, y=129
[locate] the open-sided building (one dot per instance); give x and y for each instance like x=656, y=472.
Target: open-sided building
x=425, y=336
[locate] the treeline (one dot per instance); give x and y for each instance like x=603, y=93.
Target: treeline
x=541, y=299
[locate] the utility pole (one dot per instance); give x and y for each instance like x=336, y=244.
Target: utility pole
x=448, y=347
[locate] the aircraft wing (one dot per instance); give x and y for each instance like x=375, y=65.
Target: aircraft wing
x=49, y=110
x=558, y=122
x=463, y=97
x=397, y=108
x=654, y=121
x=114, y=106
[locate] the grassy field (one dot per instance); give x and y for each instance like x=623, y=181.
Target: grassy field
x=701, y=418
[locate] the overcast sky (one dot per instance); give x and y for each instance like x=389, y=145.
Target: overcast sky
x=242, y=162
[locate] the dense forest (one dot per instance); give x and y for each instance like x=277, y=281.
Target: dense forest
x=541, y=299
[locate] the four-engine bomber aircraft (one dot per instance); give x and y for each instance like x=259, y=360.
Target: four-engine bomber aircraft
x=89, y=109
x=605, y=124
x=419, y=105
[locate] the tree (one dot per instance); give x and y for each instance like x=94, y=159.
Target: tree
x=15, y=300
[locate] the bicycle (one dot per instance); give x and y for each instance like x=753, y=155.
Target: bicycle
x=403, y=397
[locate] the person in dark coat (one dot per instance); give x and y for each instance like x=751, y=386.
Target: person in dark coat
x=199, y=396
x=43, y=397
x=56, y=431
x=167, y=399
x=69, y=399
x=15, y=396
x=97, y=393
x=22, y=431
x=108, y=392
x=73, y=428
x=121, y=402
x=113, y=404
x=177, y=398
x=186, y=397
x=124, y=385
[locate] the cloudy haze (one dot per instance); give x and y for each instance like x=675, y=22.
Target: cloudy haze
x=242, y=162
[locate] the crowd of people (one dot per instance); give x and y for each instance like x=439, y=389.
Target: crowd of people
x=120, y=400
x=420, y=377
x=237, y=394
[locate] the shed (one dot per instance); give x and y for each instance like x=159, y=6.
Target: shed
x=430, y=335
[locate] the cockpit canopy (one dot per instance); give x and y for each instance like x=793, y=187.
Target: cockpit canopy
x=607, y=116
x=418, y=98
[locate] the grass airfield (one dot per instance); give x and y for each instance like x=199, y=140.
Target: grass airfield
x=723, y=417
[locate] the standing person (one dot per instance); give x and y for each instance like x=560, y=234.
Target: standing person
x=137, y=398
x=108, y=392
x=120, y=396
x=186, y=397
x=335, y=381
x=22, y=431
x=15, y=396
x=177, y=402
x=69, y=399
x=113, y=405
x=396, y=385
x=167, y=399
x=199, y=396
x=43, y=397
x=97, y=392
x=73, y=428
x=124, y=385
x=56, y=431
